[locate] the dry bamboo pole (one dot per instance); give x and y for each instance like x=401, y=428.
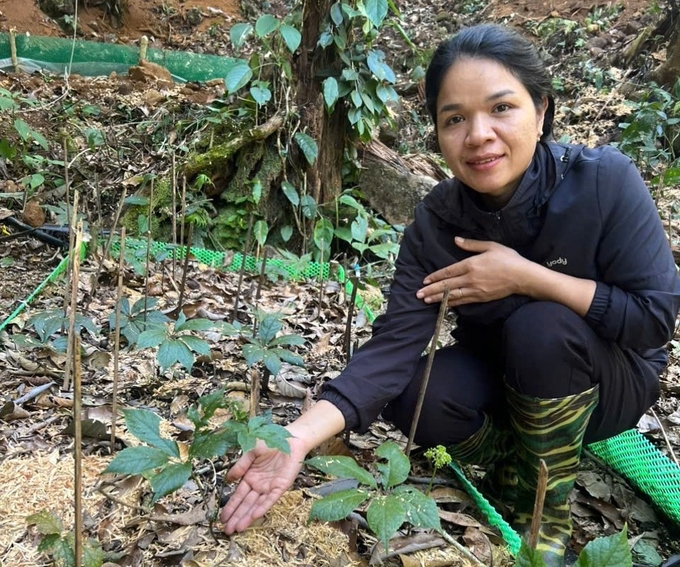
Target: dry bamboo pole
x=116, y=341
x=13, y=49
x=74, y=340
x=148, y=251
x=428, y=368
x=73, y=259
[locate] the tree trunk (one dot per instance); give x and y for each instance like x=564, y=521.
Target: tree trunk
x=669, y=71
x=324, y=177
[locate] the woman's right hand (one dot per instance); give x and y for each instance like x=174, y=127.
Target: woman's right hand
x=265, y=474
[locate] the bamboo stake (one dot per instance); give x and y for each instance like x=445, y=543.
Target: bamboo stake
x=73, y=259
x=428, y=368
x=112, y=232
x=13, y=49
x=174, y=216
x=77, y=400
x=143, y=48
x=182, y=287
x=541, y=486
x=116, y=341
x=260, y=282
x=241, y=272
x=148, y=251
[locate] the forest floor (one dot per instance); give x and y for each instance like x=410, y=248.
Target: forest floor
x=134, y=119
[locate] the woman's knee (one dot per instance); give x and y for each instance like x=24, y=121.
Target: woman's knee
x=545, y=346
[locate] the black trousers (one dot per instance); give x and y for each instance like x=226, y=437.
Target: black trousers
x=546, y=351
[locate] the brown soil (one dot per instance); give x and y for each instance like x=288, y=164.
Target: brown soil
x=142, y=17
x=538, y=10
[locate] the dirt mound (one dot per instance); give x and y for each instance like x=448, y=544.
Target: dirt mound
x=141, y=17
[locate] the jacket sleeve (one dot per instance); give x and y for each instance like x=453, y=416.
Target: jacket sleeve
x=382, y=368
x=638, y=290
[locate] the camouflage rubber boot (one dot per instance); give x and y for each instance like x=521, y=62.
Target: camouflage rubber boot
x=552, y=430
x=493, y=447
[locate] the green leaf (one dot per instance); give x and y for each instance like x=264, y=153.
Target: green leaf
x=170, y=479
x=291, y=37
x=385, y=249
x=398, y=466
x=286, y=232
x=238, y=76
x=265, y=25
x=196, y=344
x=343, y=467
x=330, y=92
x=336, y=13
x=136, y=460
x=289, y=357
x=295, y=340
x=151, y=338
x=379, y=68
x=272, y=362
x=252, y=353
x=421, y=510
x=62, y=553
x=23, y=129
x=528, y=557
x=209, y=444
x=309, y=207
x=359, y=228
x=274, y=436
x=260, y=231
x=93, y=555
x=238, y=34
x=210, y=403
x=45, y=522
x=270, y=325
x=308, y=146
x=145, y=425
x=338, y=505
x=48, y=543
x=291, y=193
x=42, y=141
x=611, y=551
x=172, y=351
x=376, y=10
x=384, y=516
x=198, y=324
x=323, y=234
x=261, y=95
x=356, y=98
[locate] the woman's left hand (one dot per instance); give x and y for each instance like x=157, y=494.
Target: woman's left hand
x=495, y=272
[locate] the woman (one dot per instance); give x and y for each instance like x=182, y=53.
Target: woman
x=563, y=282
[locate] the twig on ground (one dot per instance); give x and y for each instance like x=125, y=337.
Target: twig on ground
x=428, y=368
x=462, y=549
x=34, y=393
x=665, y=437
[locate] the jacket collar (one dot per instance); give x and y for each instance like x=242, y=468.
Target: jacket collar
x=456, y=204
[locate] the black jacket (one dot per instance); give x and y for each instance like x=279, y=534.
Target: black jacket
x=583, y=212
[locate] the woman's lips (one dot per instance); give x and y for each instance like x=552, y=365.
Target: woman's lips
x=483, y=163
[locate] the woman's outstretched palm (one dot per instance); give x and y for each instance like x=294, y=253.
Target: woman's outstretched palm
x=265, y=475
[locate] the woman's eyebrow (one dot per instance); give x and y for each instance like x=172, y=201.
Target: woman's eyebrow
x=495, y=96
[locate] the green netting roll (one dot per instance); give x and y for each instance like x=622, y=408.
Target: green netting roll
x=632, y=455
x=91, y=58
x=510, y=536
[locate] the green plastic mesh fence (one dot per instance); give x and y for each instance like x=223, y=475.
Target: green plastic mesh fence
x=510, y=536
x=633, y=456
x=227, y=261
x=91, y=58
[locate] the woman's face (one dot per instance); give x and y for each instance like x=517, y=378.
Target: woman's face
x=487, y=126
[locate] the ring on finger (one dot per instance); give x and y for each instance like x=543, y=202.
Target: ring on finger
x=460, y=293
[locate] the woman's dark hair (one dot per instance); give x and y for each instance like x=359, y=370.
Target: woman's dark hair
x=500, y=44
